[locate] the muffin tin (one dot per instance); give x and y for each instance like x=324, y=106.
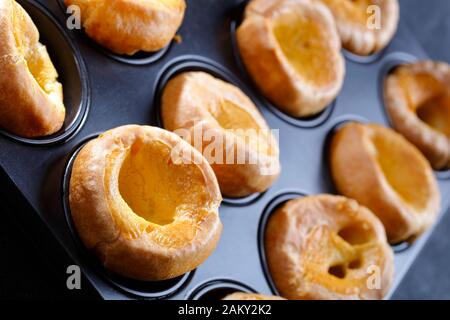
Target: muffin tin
x=118, y=92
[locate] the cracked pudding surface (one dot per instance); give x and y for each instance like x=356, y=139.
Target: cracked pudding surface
x=321, y=247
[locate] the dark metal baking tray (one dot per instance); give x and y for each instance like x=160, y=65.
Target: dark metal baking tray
x=103, y=91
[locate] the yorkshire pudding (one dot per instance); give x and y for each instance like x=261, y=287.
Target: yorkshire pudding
x=31, y=98
x=417, y=98
x=250, y=296
x=129, y=26
x=357, y=23
x=222, y=122
x=146, y=210
x=328, y=247
x=291, y=49
x=386, y=173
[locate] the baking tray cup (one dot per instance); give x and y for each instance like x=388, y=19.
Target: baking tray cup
x=217, y=289
x=142, y=289
x=123, y=93
x=305, y=122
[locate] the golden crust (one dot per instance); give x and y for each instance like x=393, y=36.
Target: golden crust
x=31, y=102
x=198, y=102
x=417, y=98
x=250, y=296
x=383, y=171
x=129, y=26
x=143, y=214
x=291, y=49
x=326, y=247
x=352, y=18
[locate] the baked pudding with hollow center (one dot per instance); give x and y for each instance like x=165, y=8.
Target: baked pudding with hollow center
x=250, y=296
x=365, y=26
x=417, y=98
x=328, y=247
x=31, y=98
x=144, y=209
x=129, y=26
x=220, y=120
x=291, y=49
x=383, y=171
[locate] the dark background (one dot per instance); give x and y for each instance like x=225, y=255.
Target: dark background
x=25, y=273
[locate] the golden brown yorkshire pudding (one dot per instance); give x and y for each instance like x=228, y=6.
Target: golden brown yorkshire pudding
x=328, y=247
x=291, y=49
x=250, y=296
x=357, y=23
x=221, y=121
x=144, y=209
x=31, y=98
x=383, y=171
x=417, y=98
x=129, y=26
